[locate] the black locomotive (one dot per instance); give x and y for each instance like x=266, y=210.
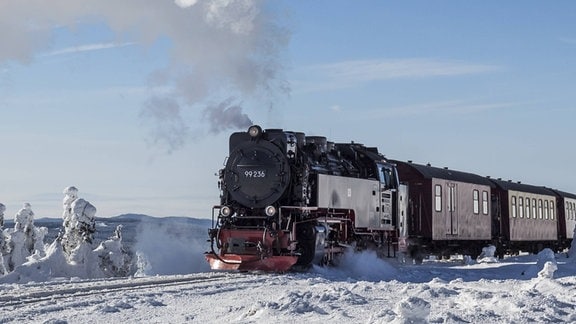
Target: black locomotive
x=292, y=200
x=289, y=200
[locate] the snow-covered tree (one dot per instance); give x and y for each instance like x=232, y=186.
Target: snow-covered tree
x=26, y=239
x=24, y=223
x=4, y=245
x=79, y=221
x=2, y=210
x=71, y=254
x=114, y=259
x=109, y=258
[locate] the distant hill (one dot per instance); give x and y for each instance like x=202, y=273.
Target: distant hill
x=131, y=225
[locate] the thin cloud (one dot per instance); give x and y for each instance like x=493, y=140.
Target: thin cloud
x=87, y=48
x=349, y=74
x=336, y=108
x=450, y=107
x=568, y=40
x=447, y=107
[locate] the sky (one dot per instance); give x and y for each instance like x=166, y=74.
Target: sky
x=132, y=101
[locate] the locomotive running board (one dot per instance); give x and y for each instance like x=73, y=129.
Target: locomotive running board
x=250, y=262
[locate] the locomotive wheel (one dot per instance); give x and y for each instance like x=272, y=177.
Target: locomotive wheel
x=416, y=254
x=306, y=236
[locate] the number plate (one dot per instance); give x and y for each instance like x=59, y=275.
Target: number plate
x=255, y=173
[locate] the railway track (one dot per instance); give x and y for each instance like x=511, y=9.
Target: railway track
x=24, y=295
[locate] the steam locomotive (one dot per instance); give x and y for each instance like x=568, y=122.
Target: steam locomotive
x=289, y=201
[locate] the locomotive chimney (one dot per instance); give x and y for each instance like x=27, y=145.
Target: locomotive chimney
x=301, y=138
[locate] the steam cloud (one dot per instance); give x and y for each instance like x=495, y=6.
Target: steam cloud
x=225, y=115
x=223, y=51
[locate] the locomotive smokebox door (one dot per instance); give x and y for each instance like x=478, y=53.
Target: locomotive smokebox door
x=257, y=174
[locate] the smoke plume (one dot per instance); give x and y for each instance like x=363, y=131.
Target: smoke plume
x=221, y=49
x=169, y=128
x=225, y=116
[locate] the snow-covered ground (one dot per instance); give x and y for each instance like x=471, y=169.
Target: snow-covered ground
x=364, y=289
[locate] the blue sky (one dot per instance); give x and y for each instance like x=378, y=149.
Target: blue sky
x=133, y=101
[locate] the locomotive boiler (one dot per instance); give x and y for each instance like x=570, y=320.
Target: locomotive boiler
x=289, y=201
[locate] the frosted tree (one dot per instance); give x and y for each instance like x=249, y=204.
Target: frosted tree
x=4, y=245
x=114, y=259
x=79, y=222
x=24, y=223
x=2, y=210
x=26, y=240
x=73, y=253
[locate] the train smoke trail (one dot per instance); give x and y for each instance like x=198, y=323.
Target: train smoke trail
x=226, y=115
x=221, y=49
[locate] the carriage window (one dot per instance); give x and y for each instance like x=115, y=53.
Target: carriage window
x=534, y=208
x=540, y=208
x=520, y=207
x=476, y=198
x=527, y=207
x=513, y=206
x=485, y=202
x=545, y=209
x=438, y=198
x=551, y=209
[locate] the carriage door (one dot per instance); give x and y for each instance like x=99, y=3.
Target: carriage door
x=451, y=215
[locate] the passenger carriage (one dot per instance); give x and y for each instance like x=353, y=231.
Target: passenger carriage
x=566, y=206
x=448, y=210
x=528, y=217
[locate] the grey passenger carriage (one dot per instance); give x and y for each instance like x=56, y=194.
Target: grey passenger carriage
x=527, y=214
x=566, y=206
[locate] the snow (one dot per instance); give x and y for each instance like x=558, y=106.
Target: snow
x=362, y=289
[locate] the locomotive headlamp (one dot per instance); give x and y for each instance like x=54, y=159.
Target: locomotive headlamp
x=226, y=211
x=270, y=211
x=254, y=131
